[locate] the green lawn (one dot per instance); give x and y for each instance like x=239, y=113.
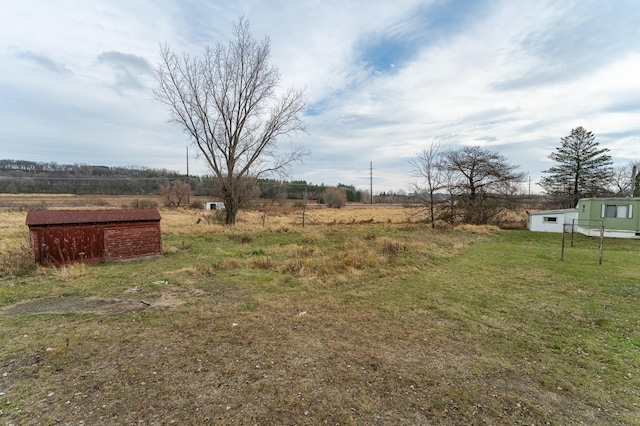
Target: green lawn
x=361, y=324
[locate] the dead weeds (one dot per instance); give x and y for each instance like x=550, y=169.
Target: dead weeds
x=340, y=324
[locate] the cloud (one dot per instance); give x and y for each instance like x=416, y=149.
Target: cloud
x=44, y=61
x=129, y=69
x=126, y=61
x=574, y=40
x=383, y=79
x=627, y=102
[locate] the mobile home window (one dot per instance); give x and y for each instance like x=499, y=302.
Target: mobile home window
x=620, y=211
x=549, y=219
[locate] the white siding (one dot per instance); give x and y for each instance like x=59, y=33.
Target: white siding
x=214, y=205
x=551, y=221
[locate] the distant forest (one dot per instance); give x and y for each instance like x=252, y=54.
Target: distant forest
x=18, y=176
x=28, y=177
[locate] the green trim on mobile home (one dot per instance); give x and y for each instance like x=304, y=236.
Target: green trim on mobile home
x=619, y=216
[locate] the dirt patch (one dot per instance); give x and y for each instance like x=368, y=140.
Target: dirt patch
x=93, y=305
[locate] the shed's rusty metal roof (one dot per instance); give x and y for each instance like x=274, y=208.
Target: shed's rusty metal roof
x=62, y=217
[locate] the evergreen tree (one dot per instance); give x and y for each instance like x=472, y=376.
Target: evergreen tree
x=583, y=169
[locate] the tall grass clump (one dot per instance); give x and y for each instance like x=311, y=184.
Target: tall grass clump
x=390, y=247
x=478, y=229
x=261, y=262
x=312, y=237
x=358, y=255
x=70, y=272
x=16, y=261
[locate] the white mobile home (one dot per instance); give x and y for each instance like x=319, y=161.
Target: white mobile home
x=551, y=220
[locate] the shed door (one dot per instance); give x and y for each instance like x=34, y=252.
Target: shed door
x=70, y=244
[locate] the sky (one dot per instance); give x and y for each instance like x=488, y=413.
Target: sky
x=383, y=80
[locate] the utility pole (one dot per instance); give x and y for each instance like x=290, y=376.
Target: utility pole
x=371, y=181
x=188, y=183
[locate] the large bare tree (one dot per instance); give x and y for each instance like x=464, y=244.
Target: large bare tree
x=227, y=103
x=431, y=177
x=484, y=180
x=175, y=193
x=624, y=180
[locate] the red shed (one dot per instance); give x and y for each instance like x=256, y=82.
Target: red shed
x=70, y=236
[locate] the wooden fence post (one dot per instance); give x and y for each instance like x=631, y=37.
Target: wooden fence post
x=601, y=242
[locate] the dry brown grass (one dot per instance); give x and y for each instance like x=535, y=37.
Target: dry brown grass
x=12, y=227
x=16, y=259
x=390, y=247
x=15, y=252
x=478, y=229
x=337, y=323
x=279, y=218
x=286, y=218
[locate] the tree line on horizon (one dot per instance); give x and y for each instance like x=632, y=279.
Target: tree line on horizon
x=21, y=176
x=482, y=185
x=466, y=185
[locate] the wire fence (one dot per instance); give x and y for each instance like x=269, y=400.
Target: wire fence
x=586, y=227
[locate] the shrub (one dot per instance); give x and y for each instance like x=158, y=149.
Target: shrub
x=16, y=261
x=335, y=198
x=215, y=217
x=143, y=204
x=175, y=193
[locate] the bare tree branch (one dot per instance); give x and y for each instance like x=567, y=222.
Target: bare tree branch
x=226, y=102
x=480, y=176
x=431, y=177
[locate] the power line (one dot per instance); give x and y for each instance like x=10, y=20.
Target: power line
x=371, y=181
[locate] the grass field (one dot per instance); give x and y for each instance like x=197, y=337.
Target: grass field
x=361, y=317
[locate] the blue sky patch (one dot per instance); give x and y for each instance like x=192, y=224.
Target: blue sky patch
x=385, y=54
x=426, y=26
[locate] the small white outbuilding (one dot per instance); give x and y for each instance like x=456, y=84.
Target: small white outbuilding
x=214, y=205
x=551, y=220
